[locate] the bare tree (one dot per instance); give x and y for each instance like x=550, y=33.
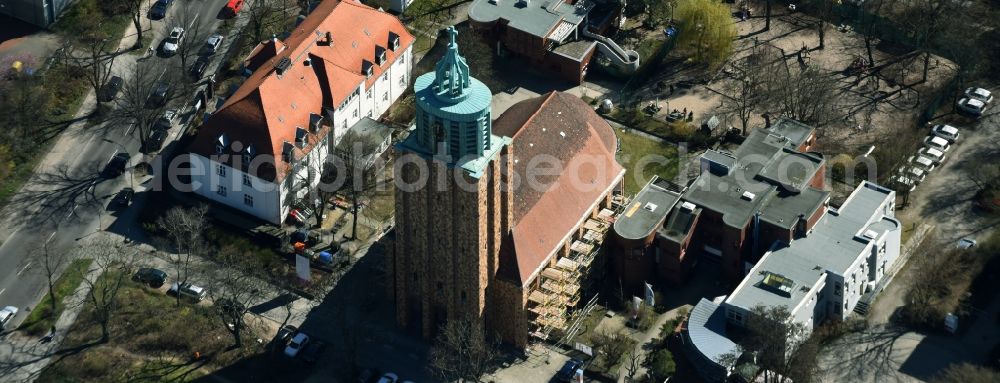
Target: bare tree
x=259, y=17
x=194, y=37
x=184, y=229
x=52, y=262
x=462, y=352
x=783, y=349
x=807, y=95
x=356, y=173
x=748, y=90
x=632, y=362
x=96, y=57
x=136, y=105
x=135, y=8
x=236, y=286
x=116, y=262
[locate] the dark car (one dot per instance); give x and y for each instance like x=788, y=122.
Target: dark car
x=153, y=277
x=312, y=352
x=198, y=68
x=160, y=93
x=159, y=9
x=110, y=90
x=117, y=164
x=124, y=197
x=568, y=370
x=285, y=333
x=155, y=141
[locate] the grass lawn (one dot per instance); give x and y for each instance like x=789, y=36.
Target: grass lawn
x=642, y=158
x=152, y=340
x=41, y=319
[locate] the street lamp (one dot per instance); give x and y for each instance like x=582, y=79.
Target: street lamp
x=131, y=181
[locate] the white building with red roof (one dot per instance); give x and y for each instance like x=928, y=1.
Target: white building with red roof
x=264, y=149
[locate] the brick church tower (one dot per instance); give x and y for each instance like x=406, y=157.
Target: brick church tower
x=450, y=207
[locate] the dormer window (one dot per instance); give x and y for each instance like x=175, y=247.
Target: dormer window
x=301, y=137
x=315, y=121
x=248, y=155
x=221, y=143
x=393, y=41
x=286, y=152
x=366, y=68
x=379, y=55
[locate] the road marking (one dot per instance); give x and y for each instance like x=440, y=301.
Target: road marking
x=2, y=290
x=50, y=238
x=24, y=268
x=192, y=21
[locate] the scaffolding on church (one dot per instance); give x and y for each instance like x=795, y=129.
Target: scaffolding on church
x=561, y=286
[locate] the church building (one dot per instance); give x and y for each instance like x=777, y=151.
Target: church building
x=499, y=221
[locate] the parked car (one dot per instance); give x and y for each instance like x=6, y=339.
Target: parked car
x=921, y=162
x=152, y=277
x=934, y=154
x=199, y=66
x=966, y=243
x=937, y=143
x=312, y=351
x=388, y=378
x=947, y=132
x=159, y=9
x=979, y=94
x=160, y=94
x=899, y=182
x=233, y=7
x=298, y=342
x=110, y=90
x=124, y=197
x=212, y=44
x=173, y=40
x=155, y=140
x=166, y=121
x=971, y=107
x=6, y=315
x=914, y=173
x=568, y=370
x=188, y=290
x=117, y=164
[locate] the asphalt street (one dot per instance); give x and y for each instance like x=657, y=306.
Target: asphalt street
x=68, y=199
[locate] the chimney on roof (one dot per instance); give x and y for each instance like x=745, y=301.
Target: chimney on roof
x=283, y=64
x=307, y=62
x=329, y=38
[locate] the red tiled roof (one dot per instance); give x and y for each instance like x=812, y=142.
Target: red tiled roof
x=267, y=108
x=562, y=127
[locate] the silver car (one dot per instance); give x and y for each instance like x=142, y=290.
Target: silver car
x=173, y=40
x=938, y=143
x=979, y=94
x=212, y=44
x=6, y=315
x=971, y=106
x=947, y=132
x=923, y=163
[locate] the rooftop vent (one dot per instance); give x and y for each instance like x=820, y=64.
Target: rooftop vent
x=688, y=207
x=283, y=65
x=650, y=206
x=748, y=196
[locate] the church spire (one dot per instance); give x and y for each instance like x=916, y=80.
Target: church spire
x=451, y=79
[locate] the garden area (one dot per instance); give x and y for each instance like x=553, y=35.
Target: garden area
x=152, y=340
x=643, y=157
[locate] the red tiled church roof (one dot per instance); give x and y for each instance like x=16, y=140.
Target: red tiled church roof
x=563, y=127
x=266, y=110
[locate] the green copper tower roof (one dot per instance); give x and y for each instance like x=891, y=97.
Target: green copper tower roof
x=454, y=120
x=451, y=75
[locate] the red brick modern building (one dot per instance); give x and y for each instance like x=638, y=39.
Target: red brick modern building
x=770, y=189
x=556, y=36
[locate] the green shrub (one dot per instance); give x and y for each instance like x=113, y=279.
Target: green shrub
x=662, y=364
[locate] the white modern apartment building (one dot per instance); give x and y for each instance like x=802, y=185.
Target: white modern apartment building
x=819, y=276
x=265, y=148
x=824, y=274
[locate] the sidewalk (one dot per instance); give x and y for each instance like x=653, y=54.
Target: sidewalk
x=28, y=356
